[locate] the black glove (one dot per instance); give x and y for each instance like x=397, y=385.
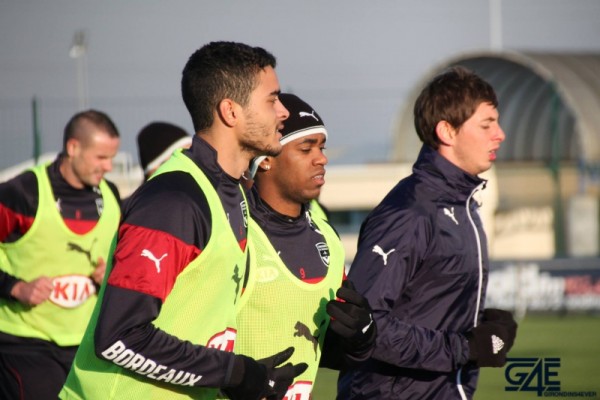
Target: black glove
x=504, y=318
x=488, y=344
x=352, y=320
x=264, y=378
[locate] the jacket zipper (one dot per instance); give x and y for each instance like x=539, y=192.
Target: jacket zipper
x=461, y=391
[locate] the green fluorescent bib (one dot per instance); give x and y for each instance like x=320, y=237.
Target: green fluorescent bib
x=278, y=310
x=201, y=309
x=50, y=248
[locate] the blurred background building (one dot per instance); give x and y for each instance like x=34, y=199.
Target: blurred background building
x=544, y=192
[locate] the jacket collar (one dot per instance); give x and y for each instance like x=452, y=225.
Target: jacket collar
x=272, y=222
x=205, y=157
x=450, y=178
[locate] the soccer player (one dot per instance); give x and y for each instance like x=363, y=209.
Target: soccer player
x=57, y=221
x=297, y=261
x=166, y=325
x=422, y=259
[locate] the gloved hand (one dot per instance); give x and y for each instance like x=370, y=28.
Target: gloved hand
x=352, y=320
x=505, y=318
x=265, y=379
x=490, y=341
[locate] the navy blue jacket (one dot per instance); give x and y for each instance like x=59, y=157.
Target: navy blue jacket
x=422, y=263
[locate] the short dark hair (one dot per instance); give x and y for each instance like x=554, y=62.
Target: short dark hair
x=452, y=96
x=76, y=127
x=217, y=71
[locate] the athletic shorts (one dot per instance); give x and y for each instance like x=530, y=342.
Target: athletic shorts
x=32, y=369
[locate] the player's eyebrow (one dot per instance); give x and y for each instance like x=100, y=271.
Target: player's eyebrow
x=489, y=119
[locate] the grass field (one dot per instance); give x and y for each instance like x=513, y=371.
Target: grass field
x=575, y=339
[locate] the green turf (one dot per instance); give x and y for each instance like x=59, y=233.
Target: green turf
x=575, y=339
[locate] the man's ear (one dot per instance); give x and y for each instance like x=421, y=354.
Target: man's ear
x=228, y=112
x=445, y=133
x=265, y=164
x=72, y=147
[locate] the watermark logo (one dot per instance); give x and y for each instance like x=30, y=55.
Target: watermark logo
x=538, y=375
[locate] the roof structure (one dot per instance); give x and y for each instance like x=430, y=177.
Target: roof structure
x=549, y=106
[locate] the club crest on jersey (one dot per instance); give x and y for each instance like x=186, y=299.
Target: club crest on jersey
x=71, y=291
x=99, y=206
x=244, y=208
x=323, y=250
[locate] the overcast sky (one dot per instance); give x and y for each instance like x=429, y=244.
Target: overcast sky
x=354, y=61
